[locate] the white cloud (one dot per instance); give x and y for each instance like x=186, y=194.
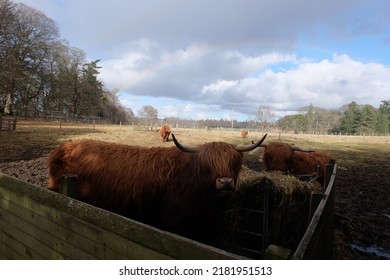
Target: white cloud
x=225, y=79
x=202, y=58
x=218, y=87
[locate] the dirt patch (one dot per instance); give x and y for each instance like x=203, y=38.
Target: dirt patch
x=362, y=203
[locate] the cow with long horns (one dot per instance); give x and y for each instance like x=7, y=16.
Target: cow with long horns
x=172, y=188
x=284, y=157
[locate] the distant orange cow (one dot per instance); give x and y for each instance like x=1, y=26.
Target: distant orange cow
x=244, y=133
x=165, y=131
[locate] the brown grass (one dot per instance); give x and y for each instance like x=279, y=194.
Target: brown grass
x=53, y=133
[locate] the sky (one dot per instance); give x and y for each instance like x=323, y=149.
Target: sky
x=221, y=59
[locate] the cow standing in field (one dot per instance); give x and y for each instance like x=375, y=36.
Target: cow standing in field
x=173, y=188
x=289, y=158
x=165, y=131
x=244, y=133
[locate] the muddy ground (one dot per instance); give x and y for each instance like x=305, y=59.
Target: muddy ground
x=362, y=203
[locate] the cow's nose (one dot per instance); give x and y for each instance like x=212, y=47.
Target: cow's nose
x=225, y=184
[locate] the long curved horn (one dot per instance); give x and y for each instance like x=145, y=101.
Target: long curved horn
x=183, y=148
x=249, y=147
x=299, y=149
x=264, y=145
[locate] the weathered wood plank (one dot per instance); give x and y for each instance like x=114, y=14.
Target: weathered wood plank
x=315, y=200
x=10, y=248
x=317, y=243
x=73, y=237
x=49, y=245
x=21, y=241
x=108, y=229
x=4, y=256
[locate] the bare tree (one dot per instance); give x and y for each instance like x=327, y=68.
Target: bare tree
x=71, y=70
x=26, y=35
x=149, y=114
x=114, y=111
x=264, y=115
x=39, y=72
x=26, y=48
x=8, y=64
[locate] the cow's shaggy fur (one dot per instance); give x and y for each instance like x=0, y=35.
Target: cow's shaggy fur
x=161, y=186
x=284, y=157
x=165, y=131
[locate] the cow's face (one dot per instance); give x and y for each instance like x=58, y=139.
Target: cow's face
x=218, y=164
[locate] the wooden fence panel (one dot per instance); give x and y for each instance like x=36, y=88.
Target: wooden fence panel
x=317, y=243
x=7, y=123
x=36, y=223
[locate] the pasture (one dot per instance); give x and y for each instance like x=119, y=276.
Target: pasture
x=362, y=202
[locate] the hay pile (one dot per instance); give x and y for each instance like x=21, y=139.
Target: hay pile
x=270, y=204
x=287, y=187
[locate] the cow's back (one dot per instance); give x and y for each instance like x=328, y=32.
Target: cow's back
x=278, y=157
x=306, y=163
x=129, y=180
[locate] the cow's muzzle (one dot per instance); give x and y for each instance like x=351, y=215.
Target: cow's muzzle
x=224, y=184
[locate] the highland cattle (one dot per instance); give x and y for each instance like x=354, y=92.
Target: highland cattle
x=176, y=188
x=284, y=157
x=165, y=131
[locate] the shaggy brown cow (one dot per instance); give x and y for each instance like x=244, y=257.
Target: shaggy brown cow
x=284, y=157
x=244, y=133
x=172, y=188
x=165, y=131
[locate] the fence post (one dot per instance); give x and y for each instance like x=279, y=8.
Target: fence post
x=328, y=173
x=274, y=252
x=69, y=185
x=14, y=124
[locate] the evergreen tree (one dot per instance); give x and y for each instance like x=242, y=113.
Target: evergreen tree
x=369, y=117
x=351, y=119
x=384, y=117
x=382, y=124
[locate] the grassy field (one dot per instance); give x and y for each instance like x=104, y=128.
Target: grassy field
x=52, y=133
x=363, y=183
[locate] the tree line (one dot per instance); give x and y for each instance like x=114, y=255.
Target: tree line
x=352, y=119
x=40, y=73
